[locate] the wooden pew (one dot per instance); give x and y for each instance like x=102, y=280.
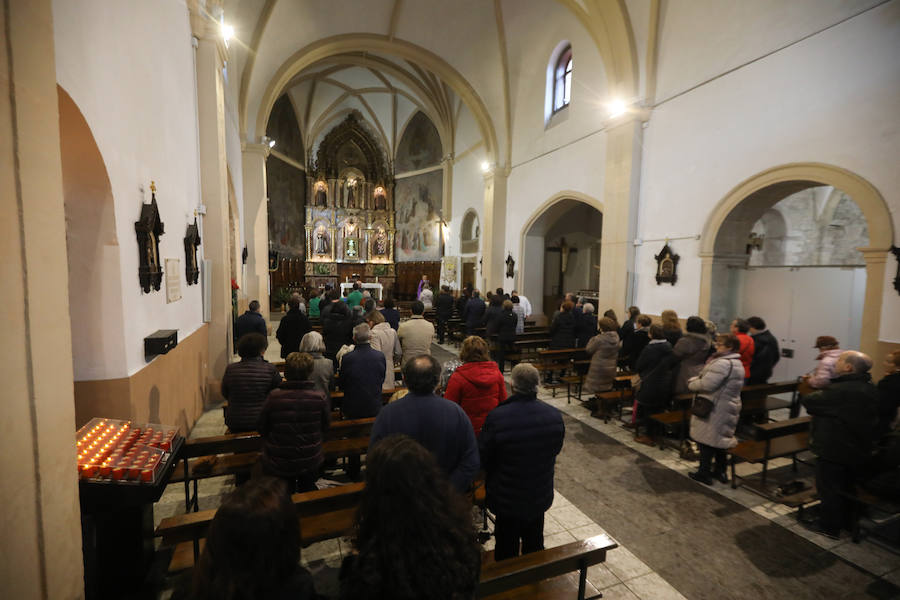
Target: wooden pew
x=547, y=574
x=238, y=452
x=559, y=360
x=324, y=514
x=771, y=440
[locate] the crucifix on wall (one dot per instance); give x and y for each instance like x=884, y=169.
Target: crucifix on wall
x=564, y=252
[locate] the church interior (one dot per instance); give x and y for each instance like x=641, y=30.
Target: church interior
x=168, y=164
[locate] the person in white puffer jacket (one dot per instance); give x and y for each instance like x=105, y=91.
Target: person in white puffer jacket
x=720, y=381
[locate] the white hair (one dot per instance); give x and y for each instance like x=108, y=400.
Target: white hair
x=525, y=378
x=312, y=342
x=588, y=308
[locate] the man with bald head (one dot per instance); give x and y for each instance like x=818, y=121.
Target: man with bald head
x=842, y=434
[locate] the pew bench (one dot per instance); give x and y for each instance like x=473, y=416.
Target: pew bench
x=324, y=514
x=547, y=574
x=237, y=453
x=771, y=440
x=606, y=403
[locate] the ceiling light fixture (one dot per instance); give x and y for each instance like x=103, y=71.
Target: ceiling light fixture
x=616, y=108
x=485, y=166
x=227, y=32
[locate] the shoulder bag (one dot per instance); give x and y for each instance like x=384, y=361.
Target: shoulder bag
x=702, y=406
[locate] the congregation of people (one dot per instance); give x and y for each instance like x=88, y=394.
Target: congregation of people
x=414, y=534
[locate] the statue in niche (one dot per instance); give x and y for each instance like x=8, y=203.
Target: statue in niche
x=380, y=246
x=352, y=251
x=321, y=198
x=380, y=201
x=321, y=243
x=351, y=193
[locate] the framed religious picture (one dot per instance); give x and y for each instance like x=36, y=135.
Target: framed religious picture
x=191, y=243
x=148, y=229
x=666, y=266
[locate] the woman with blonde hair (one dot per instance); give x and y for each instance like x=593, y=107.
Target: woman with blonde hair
x=385, y=340
x=477, y=385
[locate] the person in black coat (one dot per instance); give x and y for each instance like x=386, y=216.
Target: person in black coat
x=628, y=326
x=491, y=317
x=443, y=310
x=655, y=368
x=637, y=341
x=247, y=383
x=250, y=322
x=292, y=425
x=362, y=377
x=337, y=328
x=460, y=305
x=506, y=334
x=585, y=326
x=294, y=325
x=390, y=314
x=889, y=393
x=473, y=312
x=518, y=445
x=765, y=352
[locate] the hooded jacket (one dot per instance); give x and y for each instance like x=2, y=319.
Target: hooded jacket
x=692, y=350
x=604, y=350
x=765, y=357
x=291, y=425
x=824, y=371
x=721, y=381
x=478, y=387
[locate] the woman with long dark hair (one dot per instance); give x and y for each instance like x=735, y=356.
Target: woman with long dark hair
x=414, y=533
x=253, y=548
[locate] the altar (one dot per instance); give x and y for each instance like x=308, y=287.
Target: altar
x=366, y=286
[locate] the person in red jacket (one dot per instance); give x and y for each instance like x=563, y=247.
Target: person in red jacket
x=477, y=385
x=741, y=328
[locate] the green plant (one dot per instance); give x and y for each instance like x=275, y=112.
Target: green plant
x=282, y=295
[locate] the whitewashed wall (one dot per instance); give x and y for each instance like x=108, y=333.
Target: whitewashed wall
x=831, y=98
x=129, y=69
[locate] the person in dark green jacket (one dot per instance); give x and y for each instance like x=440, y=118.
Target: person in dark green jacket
x=842, y=435
x=314, y=303
x=355, y=296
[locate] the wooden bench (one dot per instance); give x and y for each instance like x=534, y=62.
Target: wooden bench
x=771, y=440
x=324, y=514
x=547, y=574
x=559, y=360
x=344, y=438
x=605, y=403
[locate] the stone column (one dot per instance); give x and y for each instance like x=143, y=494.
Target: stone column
x=211, y=55
x=256, y=224
x=494, y=233
x=621, y=191
x=876, y=261
x=40, y=519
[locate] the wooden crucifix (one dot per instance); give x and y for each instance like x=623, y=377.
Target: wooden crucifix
x=564, y=251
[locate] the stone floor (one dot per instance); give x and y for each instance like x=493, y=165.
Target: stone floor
x=678, y=539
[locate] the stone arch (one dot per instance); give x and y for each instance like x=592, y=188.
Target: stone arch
x=95, y=276
x=469, y=232
x=751, y=195
x=531, y=256
x=345, y=43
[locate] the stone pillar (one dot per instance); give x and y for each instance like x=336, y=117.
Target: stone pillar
x=494, y=233
x=40, y=519
x=256, y=224
x=211, y=55
x=876, y=260
x=621, y=191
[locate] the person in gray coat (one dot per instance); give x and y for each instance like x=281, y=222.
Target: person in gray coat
x=323, y=369
x=604, y=351
x=720, y=381
x=692, y=350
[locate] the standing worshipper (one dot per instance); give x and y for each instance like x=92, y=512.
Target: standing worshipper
x=416, y=334
x=603, y=349
x=671, y=326
x=829, y=352
x=520, y=314
x=518, y=446
x=292, y=426
x=526, y=304
x=586, y=325
x=740, y=329
x=477, y=385
x=247, y=383
x=293, y=326
x=629, y=325
x=355, y=297
x=323, y=369
x=473, y=312
x=691, y=351
x=314, y=300
x=385, y=340
x=506, y=334
x=765, y=351
x=250, y=322
x=842, y=434
x=443, y=311
x=391, y=315
x=654, y=366
x=426, y=296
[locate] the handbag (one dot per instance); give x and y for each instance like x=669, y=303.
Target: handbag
x=702, y=406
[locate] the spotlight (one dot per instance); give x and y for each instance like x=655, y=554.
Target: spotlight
x=227, y=32
x=616, y=108
x=271, y=143
x=485, y=166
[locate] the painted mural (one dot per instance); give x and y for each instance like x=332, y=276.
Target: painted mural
x=418, y=204
x=287, y=193
x=419, y=147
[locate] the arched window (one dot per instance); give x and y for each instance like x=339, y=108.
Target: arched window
x=562, y=80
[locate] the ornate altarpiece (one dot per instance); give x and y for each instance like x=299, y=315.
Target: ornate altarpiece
x=350, y=204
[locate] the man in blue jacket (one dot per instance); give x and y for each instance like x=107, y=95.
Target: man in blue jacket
x=519, y=443
x=437, y=423
x=250, y=322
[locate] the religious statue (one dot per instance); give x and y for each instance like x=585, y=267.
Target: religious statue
x=510, y=266
x=563, y=254
x=321, y=198
x=380, y=202
x=321, y=244
x=380, y=246
x=351, y=250
x=351, y=193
